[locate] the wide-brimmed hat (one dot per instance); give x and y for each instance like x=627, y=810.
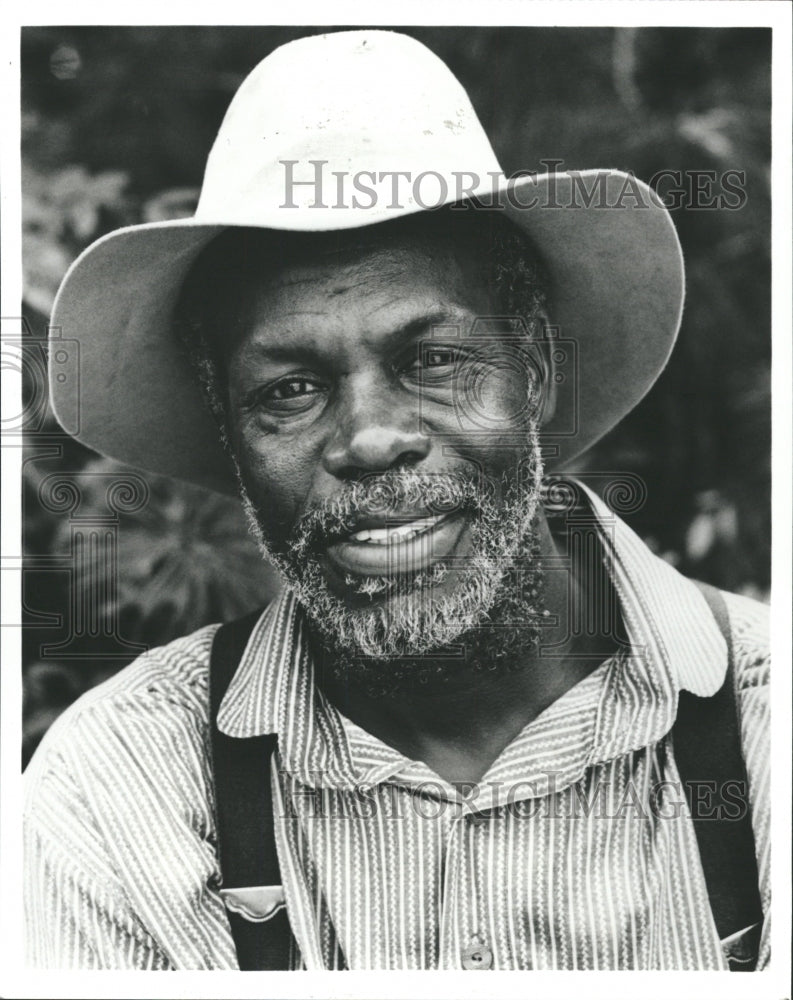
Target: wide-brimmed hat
x=345, y=130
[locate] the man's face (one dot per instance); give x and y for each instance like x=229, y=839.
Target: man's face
x=383, y=442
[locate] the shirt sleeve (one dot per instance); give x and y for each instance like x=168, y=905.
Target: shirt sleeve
x=750, y=630
x=71, y=922
x=76, y=912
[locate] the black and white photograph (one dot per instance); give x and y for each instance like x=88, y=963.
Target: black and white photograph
x=389, y=501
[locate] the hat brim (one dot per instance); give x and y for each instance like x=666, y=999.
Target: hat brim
x=123, y=388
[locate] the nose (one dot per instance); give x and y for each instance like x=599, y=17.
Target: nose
x=375, y=431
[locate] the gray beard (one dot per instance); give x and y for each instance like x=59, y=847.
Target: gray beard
x=408, y=631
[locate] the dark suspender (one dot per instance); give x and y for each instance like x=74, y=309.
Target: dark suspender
x=244, y=810
x=706, y=742
x=707, y=746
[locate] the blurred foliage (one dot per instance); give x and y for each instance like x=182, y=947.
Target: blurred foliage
x=180, y=560
x=184, y=558
x=117, y=123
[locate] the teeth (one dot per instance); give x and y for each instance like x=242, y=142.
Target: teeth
x=397, y=533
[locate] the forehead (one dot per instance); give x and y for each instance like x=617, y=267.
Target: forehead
x=363, y=282
x=369, y=277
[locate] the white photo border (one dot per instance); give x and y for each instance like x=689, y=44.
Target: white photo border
x=773, y=984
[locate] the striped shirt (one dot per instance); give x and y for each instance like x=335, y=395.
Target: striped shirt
x=575, y=851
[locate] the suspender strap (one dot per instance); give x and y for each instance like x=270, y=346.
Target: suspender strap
x=707, y=747
x=244, y=810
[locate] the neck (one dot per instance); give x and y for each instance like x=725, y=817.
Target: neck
x=458, y=721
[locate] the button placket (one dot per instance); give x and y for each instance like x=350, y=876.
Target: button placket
x=448, y=925
x=477, y=953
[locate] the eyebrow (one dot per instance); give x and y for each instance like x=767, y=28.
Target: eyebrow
x=407, y=330
x=421, y=324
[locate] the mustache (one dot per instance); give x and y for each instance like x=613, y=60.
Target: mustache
x=388, y=494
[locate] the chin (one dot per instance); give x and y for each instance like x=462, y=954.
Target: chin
x=383, y=618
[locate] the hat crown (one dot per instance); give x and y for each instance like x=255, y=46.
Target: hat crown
x=345, y=129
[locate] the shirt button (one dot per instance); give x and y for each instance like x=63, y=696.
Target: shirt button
x=477, y=956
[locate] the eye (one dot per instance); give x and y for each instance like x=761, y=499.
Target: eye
x=436, y=363
x=439, y=357
x=290, y=395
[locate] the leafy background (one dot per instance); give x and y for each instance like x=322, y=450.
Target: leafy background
x=117, y=123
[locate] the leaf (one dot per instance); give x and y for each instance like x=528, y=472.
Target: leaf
x=185, y=559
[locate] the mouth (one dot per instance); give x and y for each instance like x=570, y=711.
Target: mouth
x=396, y=547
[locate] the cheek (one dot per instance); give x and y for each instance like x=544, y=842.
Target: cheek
x=278, y=478
x=492, y=414
x=496, y=393
x=504, y=401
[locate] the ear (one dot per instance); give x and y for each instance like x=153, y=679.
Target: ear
x=547, y=369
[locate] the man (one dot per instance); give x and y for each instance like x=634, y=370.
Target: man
x=468, y=689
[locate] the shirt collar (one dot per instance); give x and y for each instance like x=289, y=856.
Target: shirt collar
x=675, y=644
x=666, y=609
